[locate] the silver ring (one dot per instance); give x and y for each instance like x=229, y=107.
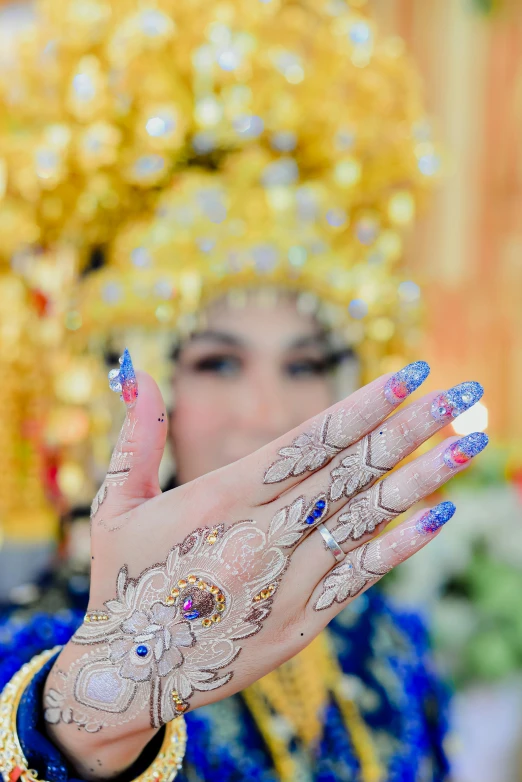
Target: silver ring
x=331, y=543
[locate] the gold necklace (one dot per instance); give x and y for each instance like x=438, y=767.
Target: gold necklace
x=298, y=691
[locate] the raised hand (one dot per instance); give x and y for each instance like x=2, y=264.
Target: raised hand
x=198, y=592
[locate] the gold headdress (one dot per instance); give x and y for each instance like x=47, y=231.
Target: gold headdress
x=106, y=100
x=198, y=148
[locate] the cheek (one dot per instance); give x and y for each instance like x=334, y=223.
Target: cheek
x=190, y=420
x=310, y=398
x=198, y=425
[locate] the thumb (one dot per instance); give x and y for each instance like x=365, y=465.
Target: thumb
x=132, y=476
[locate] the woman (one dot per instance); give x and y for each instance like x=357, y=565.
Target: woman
x=249, y=580
x=285, y=178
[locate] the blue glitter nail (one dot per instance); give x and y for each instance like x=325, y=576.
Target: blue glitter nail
x=123, y=380
x=457, y=400
x=461, y=451
x=406, y=381
x=433, y=519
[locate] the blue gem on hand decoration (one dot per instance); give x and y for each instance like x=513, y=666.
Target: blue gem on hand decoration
x=142, y=650
x=316, y=512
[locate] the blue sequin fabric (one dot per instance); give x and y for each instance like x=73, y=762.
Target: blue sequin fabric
x=385, y=651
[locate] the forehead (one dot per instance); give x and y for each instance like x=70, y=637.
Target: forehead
x=269, y=323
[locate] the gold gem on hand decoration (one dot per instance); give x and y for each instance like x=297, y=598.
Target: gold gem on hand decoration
x=199, y=600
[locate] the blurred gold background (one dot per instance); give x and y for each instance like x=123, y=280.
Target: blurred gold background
x=465, y=250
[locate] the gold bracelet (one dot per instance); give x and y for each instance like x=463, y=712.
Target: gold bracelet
x=13, y=763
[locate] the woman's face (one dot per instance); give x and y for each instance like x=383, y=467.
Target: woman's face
x=248, y=377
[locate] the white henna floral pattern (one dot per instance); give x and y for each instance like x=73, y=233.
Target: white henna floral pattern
x=350, y=577
x=328, y=437
x=160, y=628
x=310, y=451
x=356, y=471
x=173, y=630
x=120, y=464
x=364, y=513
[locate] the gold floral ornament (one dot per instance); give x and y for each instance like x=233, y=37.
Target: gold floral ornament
x=217, y=234
x=310, y=154
x=304, y=121
x=92, y=117
x=107, y=100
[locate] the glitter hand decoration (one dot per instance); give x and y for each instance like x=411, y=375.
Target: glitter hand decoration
x=406, y=381
x=123, y=380
x=432, y=520
x=172, y=634
x=310, y=451
x=173, y=630
x=456, y=401
x=461, y=451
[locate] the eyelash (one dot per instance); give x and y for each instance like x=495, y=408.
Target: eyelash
x=216, y=364
x=228, y=365
x=315, y=367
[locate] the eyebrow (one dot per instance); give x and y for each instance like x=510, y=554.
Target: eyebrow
x=218, y=336
x=231, y=340
x=311, y=340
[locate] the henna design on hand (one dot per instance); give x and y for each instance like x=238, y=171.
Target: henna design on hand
x=349, y=578
x=120, y=464
x=374, y=559
x=172, y=631
x=389, y=498
x=346, y=425
x=378, y=452
x=356, y=471
x=307, y=452
x=364, y=513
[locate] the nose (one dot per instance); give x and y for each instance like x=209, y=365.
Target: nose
x=265, y=408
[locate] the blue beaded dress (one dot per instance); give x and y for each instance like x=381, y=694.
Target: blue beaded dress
x=382, y=648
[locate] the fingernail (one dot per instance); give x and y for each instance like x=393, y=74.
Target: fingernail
x=452, y=403
x=461, y=451
x=123, y=380
x=405, y=381
x=435, y=518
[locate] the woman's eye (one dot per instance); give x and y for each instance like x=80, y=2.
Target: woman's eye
x=219, y=365
x=307, y=368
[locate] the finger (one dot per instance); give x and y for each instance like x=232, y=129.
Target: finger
x=365, y=565
x=132, y=476
x=383, y=448
x=284, y=462
x=362, y=464
x=387, y=499
x=365, y=516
